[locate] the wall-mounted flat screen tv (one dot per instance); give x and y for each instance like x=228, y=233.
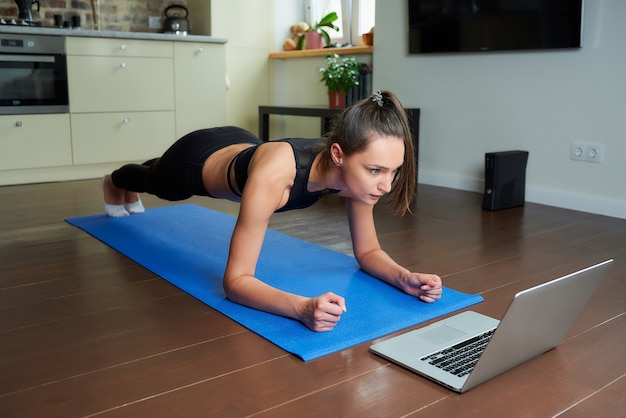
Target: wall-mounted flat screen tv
x=493, y=25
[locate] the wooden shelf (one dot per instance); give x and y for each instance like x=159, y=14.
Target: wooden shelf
x=322, y=52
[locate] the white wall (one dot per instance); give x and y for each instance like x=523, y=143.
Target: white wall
x=249, y=28
x=537, y=101
x=254, y=28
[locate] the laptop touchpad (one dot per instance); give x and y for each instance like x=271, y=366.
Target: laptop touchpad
x=441, y=334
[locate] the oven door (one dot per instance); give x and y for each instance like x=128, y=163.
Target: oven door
x=33, y=83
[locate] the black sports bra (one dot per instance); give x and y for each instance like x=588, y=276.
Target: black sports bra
x=304, y=150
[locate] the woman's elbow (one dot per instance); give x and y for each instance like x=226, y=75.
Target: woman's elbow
x=230, y=287
x=363, y=256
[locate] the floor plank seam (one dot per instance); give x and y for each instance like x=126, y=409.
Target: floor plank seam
x=189, y=385
x=423, y=408
x=317, y=391
x=125, y=363
x=589, y=396
x=57, y=320
x=478, y=267
x=597, y=326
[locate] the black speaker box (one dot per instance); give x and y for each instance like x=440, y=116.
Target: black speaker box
x=505, y=179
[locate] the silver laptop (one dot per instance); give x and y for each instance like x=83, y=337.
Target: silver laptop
x=467, y=349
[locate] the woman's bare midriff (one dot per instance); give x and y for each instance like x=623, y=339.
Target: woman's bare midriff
x=214, y=172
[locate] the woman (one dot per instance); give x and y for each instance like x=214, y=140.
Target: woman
x=369, y=153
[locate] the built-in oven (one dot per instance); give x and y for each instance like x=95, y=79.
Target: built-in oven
x=33, y=74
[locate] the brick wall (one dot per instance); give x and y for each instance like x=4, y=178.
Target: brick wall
x=119, y=15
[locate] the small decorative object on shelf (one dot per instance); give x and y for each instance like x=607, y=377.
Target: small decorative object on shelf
x=340, y=75
x=368, y=38
x=296, y=31
x=312, y=37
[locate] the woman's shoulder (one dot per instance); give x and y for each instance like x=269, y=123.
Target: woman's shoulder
x=276, y=149
x=274, y=156
x=286, y=155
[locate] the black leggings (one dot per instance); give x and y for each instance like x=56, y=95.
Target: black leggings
x=177, y=175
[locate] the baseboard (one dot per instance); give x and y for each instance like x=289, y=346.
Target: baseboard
x=53, y=174
x=590, y=204
x=438, y=178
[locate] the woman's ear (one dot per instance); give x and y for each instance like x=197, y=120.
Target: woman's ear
x=336, y=154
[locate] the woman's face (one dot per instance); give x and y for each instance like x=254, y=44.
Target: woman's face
x=369, y=174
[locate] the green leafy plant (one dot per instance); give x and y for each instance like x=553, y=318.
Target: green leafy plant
x=340, y=74
x=325, y=22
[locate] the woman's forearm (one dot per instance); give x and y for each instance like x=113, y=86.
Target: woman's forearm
x=380, y=265
x=251, y=292
x=427, y=287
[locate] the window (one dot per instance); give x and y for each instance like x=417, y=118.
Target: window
x=355, y=17
x=363, y=21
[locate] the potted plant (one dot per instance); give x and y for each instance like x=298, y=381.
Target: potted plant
x=340, y=75
x=312, y=37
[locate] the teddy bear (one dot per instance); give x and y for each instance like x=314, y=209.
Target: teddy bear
x=296, y=31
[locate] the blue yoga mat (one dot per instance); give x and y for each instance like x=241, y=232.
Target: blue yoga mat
x=187, y=245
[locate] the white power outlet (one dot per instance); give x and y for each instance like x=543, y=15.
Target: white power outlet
x=585, y=151
x=595, y=153
x=154, y=22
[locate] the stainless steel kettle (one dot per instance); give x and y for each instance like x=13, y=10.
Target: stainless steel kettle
x=175, y=22
x=25, y=8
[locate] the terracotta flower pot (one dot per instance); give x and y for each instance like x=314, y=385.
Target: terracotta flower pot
x=368, y=39
x=336, y=99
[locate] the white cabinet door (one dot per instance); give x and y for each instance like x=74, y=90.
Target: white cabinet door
x=108, y=47
x=200, y=78
x=112, y=137
x=112, y=84
x=34, y=141
x=121, y=99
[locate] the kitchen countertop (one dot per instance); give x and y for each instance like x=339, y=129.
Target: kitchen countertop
x=33, y=30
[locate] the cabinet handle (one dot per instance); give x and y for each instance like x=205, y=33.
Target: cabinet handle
x=126, y=121
x=18, y=124
x=200, y=50
x=122, y=47
x=123, y=65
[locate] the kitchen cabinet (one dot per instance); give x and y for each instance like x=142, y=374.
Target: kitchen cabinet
x=118, y=47
x=121, y=98
x=127, y=136
x=104, y=84
x=130, y=99
x=108, y=75
x=34, y=141
x=200, y=80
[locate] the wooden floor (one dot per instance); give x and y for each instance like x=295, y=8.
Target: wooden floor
x=84, y=331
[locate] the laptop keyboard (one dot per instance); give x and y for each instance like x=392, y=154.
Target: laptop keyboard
x=461, y=358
